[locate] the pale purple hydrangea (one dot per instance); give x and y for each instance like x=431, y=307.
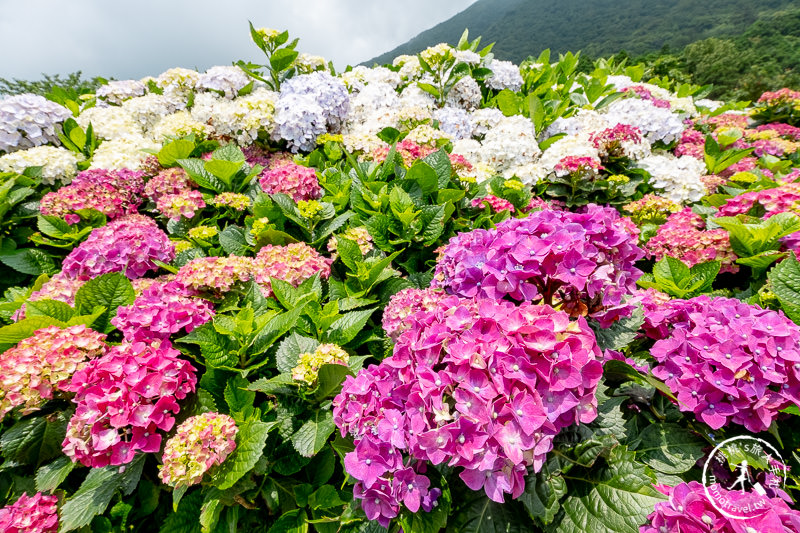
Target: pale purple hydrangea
x=129, y=244
x=480, y=384
x=116, y=92
x=28, y=120
x=727, y=361
x=582, y=261
x=505, y=75
x=228, y=80
x=454, y=121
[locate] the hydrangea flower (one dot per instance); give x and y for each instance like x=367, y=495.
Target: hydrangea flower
x=236, y=201
x=178, y=124
x=60, y=287
x=689, y=509
x=297, y=181
x=727, y=361
x=122, y=153
x=125, y=399
x=406, y=303
x=684, y=236
x=129, y=244
x=59, y=165
x=200, y=443
x=584, y=261
x=112, y=192
x=676, y=178
x=116, y=92
x=655, y=123
x=183, y=204
x=28, y=120
x=309, y=363
x=31, y=514
x=466, y=94
x=587, y=167
x=34, y=369
x=216, y=275
x=777, y=200
x=454, y=121
x=495, y=203
x=360, y=235
x=228, y=80
x=505, y=75
x=620, y=141
x=161, y=310
x=484, y=385
x=293, y=263
x=651, y=209
x=110, y=122
x=168, y=181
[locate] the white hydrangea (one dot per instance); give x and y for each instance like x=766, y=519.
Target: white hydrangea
x=620, y=82
x=711, y=105
x=677, y=178
x=655, y=123
x=470, y=149
x=177, y=82
x=584, y=122
x=299, y=120
x=454, y=121
x=116, y=92
x=426, y=135
x=109, y=122
x=361, y=139
x=242, y=118
x=437, y=53
x=577, y=146
x=485, y=119
x=28, y=120
x=467, y=56
x=306, y=63
x=58, y=164
x=123, y=153
x=510, y=144
x=410, y=68
x=505, y=75
x=178, y=125
x=362, y=76
x=376, y=105
x=148, y=109
x=227, y=80
x=466, y=94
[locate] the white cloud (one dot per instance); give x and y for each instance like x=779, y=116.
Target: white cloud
x=146, y=37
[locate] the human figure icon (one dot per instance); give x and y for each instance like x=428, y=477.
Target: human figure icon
x=744, y=476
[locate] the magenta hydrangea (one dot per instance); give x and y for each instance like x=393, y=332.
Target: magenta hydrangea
x=31, y=514
x=126, y=400
x=129, y=245
x=294, y=180
x=618, y=141
x=727, y=361
x=405, y=303
x=161, y=310
x=168, y=181
x=777, y=200
x=495, y=203
x=112, y=192
x=482, y=384
x=582, y=261
x=689, y=510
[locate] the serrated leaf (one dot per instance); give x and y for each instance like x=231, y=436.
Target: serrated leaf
x=290, y=349
x=432, y=219
x=330, y=378
x=51, y=475
x=232, y=239
x=250, y=441
x=217, y=349
x=187, y=517
x=543, y=491
x=29, y=261
x=312, y=436
x=169, y=155
x=52, y=308
x=209, y=513
x=669, y=448
x=35, y=440
x=621, y=333
x=424, y=175
x=275, y=328
x=237, y=394
x=23, y=329
x=107, y=290
x=345, y=328
x=482, y=515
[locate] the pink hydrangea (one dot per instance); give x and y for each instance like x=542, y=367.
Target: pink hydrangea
x=587, y=167
x=582, y=261
x=404, y=304
x=255, y=155
x=125, y=401
x=727, y=361
x=777, y=200
x=689, y=510
x=540, y=204
x=161, y=310
x=684, y=236
x=293, y=263
x=482, y=384
x=692, y=143
x=618, y=141
x=782, y=130
x=495, y=203
x=168, y=181
x=644, y=93
x=200, y=443
x=42, y=364
x=409, y=151
x=779, y=97
x=723, y=121
x=182, y=204
x=104, y=197
x=216, y=275
x=60, y=287
x=294, y=180
x=129, y=244
x=31, y=514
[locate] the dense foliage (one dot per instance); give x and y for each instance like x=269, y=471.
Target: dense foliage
x=448, y=294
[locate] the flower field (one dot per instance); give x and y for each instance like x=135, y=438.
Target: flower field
x=447, y=294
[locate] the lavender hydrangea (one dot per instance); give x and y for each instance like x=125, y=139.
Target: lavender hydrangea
x=583, y=261
x=299, y=120
x=505, y=75
x=454, y=121
x=28, y=120
x=116, y=92
x=227, y=80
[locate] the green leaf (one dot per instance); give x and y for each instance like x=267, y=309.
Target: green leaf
x=439, y=161
x=187, y=517
x=330, y=379
x=51, y=475
x=482, y=515
x=432, y=220
x=52, y=308
x=250, y=441
x=543, y=491
x=237, y=394
x=23, y=329
x=169, y=155
x=276, y=328
x=423, y=174
x=668, y=448
x=217, y=350
x=290, y=522
x=108, y=290
x=290, y=349
x=349, y=253
x=232, y=239
x=784, y=281
x=29, y=261
x=313, y=435
x=345, y=328
x=209, y=512
x=282, y=59
x=35, y=440
x=614, y=497
x=325, y=497
x=621, y=333
x=197, y=171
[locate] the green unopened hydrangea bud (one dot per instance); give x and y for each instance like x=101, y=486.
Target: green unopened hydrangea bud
x=618, y=179
x=309, y=208
x=203, y=232
x=259, y=225
x=651, y=209
x=438, y=54
x=182, y=246
x=329, y=137
x=268, y=34
x=236, y=201
x=309, y=363
x=514, y=185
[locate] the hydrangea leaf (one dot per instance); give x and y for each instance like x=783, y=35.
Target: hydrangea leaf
x=51, y=475
x=290, y=522
x=216, y=349
x=34, y=440
x=186, y=518
x=668, y=448
x=23, y=329
x=108, y=290
x=330, y=379
x=250, y=441
x=482, y=515
x=621, y=333
x=345, y=328
x=232, y=240
x=312, y=436
x=52, y=308
x=543, y=491
x=169, y=155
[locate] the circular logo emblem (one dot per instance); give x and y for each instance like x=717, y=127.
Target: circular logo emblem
x=741, y=475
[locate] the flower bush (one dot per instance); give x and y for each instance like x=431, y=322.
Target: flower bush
x=31, y=514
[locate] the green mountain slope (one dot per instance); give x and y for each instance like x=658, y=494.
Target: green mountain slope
x=597, y=27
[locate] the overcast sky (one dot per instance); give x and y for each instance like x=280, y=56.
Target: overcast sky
x=135, y=38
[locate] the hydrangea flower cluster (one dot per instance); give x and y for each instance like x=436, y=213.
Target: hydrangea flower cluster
x=183, y=204
x=60, y=287
x=31, y=514
x=651, y=209
x=161, y=310
x=293, y=263
x=123, y=399
x=110, y=123
x=644, y=93
x=297, y=181
x=684, y=236
x=112, y=192
x=467, y=385
x=43, y=363
x=689, y=509
x=408, y=151
x=780, y=97
x=620, y=141
x=676, y=178
x=360, y=235
x=224, y=79
x=505, y=75
x=179, y=124
x=236, y=201
x=167, y=181
x=584, y=261
x=777, y=200
x=58, y=164
x=116, y=92
x=28, y=120
x=406, y=303
x=122, y=153
x=727, y=361
x=200, y=443
x=585, y=167
x=655, y=123
x=129, y=244
x=217, y=275
x=495, y=203
x=692, y=143
x=454, y=121
x=309, y=363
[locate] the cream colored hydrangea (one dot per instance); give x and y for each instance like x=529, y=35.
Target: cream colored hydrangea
x=123, y=153
x=110, y=122
x=58, y=164
x=309, y=363
x=178, y=125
